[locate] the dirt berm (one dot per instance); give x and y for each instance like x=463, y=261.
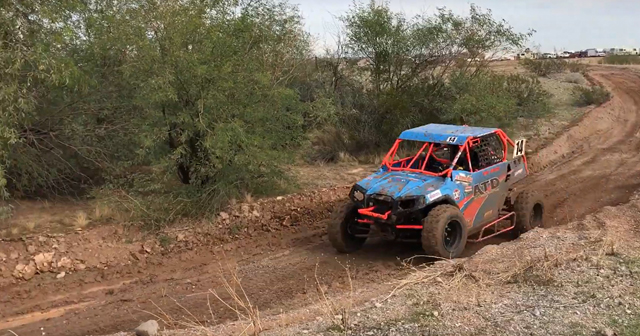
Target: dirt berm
x=279, y=245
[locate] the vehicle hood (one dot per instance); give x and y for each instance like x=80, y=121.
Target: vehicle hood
x=401, y=184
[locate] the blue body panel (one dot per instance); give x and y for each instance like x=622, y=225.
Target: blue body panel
x=439, y=133
x=401, y=184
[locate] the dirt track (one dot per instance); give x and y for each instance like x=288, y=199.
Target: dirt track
x=594, y=164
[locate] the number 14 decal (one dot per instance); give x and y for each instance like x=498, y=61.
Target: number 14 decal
x=518, y=149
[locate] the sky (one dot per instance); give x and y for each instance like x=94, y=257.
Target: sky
x=559, y=24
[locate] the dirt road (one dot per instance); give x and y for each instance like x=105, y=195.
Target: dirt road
x=594, y=164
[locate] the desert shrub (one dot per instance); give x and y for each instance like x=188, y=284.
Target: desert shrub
x=576, y=67
x=544, y=67
x=574, y=78
x=595, y=95
x=495, y=99
x=417, y=71
x=201, y=97
x=532, y=100
x=327, y=145
x=620, y=59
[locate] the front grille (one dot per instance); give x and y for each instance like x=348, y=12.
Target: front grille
x=382, y=203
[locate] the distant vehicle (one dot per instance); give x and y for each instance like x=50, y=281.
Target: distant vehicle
x=564, y=54
x=548, y=55
x=458, y=184
x=590, y=52
x=574, y=55
x=601, y=54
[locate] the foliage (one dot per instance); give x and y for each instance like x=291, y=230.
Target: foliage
x=414, y=71
x=495, y=100
x=595, y=95
x=620, y=59
x=574, y=78
x=576, y=67
x=545, y=67
x=168, y=109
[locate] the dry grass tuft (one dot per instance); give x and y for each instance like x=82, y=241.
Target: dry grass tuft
x=248, y=314
x=81, y=220
x=335, y=311
x=103, y=213
x=240, y=303
x=29, y=226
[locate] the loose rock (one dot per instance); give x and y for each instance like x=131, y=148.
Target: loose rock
x=149, y=328
x=64, y=263
x=29, y=271
x=61, y=275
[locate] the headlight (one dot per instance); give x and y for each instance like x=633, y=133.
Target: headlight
x=358, y=194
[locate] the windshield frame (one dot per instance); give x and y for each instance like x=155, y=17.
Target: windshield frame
x=388, y=161
x=470, y=142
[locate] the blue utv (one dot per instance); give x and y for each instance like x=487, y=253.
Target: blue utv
x=442, y=185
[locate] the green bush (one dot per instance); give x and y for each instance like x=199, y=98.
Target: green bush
x=595, y=95
x=495, y=99
x=620, y=59
x=544, y=67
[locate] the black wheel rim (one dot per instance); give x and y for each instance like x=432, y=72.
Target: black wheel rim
x=452, y=235
x=535, y=219
x=353, y=228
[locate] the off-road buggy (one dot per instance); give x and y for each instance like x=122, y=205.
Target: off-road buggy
x=442, y=185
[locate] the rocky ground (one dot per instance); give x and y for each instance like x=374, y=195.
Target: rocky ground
x=578, y=279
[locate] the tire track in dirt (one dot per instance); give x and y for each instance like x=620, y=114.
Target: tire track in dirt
x=593, y=164
x=597, y=162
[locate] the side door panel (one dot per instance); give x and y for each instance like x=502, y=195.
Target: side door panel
x=489, y=193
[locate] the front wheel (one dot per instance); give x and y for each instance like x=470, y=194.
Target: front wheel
x=444, y=232
x=529, y=209
x=342, y=227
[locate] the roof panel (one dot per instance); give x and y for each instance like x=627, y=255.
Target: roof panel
x=453, y=134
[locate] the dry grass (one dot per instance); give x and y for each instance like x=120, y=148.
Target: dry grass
x=247, y=313
x=102, y=213
x=336, y=312
x=29, y=226
x=240, y=303
x=15, y=230
x=248, y=198
x=81, y=220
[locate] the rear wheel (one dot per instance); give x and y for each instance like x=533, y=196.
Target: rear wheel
x=342, y=229
x=529, y=209
x=444, y=232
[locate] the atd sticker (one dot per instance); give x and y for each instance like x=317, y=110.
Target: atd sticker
x=485, y=187
x=456, y=195
x=468, y=189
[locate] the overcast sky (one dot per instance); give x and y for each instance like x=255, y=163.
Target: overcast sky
x=563, y=24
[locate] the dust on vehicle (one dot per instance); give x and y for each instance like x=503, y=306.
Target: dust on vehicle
x=442, y=185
